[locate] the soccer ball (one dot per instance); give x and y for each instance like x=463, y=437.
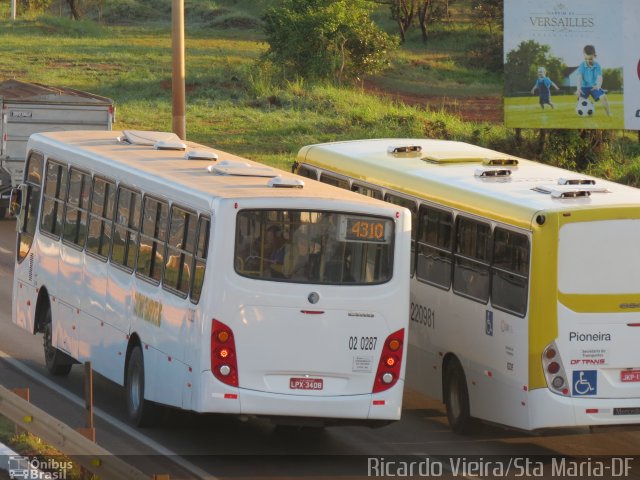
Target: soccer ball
x=585, y=108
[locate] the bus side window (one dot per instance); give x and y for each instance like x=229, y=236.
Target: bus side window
x=471, y=259
x=335, y=181
x=55, y=192
x=510, y=271
x=200, y=262
x=126, y=232
x=434, y=247
x=369, y=192
x=307, y=172
x=153, y=236
x=101, y=218
x=411, y=206
x=180, y=249
x=31, y=204
x=77, y=207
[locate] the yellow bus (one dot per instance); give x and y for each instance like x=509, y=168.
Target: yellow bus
x=525, y=280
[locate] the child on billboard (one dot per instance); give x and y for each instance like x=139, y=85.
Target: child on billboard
x=544, y=84
x=590, y=79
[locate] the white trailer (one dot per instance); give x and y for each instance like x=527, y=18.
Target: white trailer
x=27, y=108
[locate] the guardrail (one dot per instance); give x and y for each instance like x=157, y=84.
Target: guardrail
x=71, y=443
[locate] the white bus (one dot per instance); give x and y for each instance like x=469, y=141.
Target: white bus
x=525, y=280
x=211, y=283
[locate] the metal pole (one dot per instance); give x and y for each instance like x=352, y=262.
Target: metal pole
x=179, y=123
x=13, y=9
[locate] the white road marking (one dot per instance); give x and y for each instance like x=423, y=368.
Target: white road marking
x=132, y=432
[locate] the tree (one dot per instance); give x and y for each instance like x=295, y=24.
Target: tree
x=428, y=11
x=326, y=38
x=523, y=62
x=405, y=13
x=74, y=8
x=489, y=13
x=34, y=5
x=612, y=78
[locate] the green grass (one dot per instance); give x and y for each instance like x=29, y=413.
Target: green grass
x=525, y=112
x=242, y=106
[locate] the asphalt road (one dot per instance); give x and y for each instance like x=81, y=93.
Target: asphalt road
x=187, y=445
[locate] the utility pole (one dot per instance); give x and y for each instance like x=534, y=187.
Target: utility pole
x=13, y=9
x=179, y=124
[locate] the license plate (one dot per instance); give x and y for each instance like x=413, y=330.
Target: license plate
x=626, y=411
x=630, y=376
x=305, y=383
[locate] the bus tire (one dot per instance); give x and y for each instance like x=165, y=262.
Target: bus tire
x=56, y=361
x=456, y=398
x=141, y=412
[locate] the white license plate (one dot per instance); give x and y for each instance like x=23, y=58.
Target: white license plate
x=630, y=376
x=305, y=383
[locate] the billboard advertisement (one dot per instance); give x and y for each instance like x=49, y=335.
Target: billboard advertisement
x=572, y=64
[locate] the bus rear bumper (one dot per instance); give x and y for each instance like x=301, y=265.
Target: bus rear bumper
x=380, y=406
x=549, y=410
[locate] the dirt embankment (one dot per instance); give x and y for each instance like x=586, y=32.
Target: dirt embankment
x=477, y=109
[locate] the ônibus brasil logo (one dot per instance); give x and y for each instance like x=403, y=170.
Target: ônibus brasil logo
x=34, y=468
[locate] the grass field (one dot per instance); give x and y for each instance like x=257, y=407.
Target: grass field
x=236, y=104
x=525, y=112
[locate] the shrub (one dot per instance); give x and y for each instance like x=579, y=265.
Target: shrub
x=327, y=38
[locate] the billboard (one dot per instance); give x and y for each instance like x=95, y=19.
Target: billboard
x=572, y=64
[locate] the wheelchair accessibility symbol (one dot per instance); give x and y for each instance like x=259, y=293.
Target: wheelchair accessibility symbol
x=585, y=382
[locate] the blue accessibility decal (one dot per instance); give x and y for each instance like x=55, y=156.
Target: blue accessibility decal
x=585, y=382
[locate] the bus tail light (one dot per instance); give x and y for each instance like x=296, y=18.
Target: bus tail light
x=224, y=365
x=554, y=371
x=390, y=362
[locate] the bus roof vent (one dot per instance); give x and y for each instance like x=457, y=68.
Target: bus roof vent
x=398, y=149
x=492, y=172
x=150, y=139
x=563, y=191
x=500, y=162
x=282, y=182
x=200, y=155
x=452, y=159
x=570, y=193
x=241, y=169
x=571, y=189
x=576, y=181
x=170, y=145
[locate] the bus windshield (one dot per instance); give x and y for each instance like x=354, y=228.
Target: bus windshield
x=303, y=246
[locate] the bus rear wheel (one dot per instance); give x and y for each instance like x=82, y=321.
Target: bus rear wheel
x=456, y=398
x=56, y=361
x=141, y=412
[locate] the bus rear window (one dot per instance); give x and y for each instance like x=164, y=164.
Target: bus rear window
x=304, y=246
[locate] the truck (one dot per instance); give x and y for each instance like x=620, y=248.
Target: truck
x=27, y=108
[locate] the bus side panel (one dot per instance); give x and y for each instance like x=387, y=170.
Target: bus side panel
x=45, y=274
x=164, y=370
x=114, y=300
x=498, y=385
x=177, y=329
x=25, y=295
x=69, y=291
x=491, y=346
x=427, y=316
x=108, y=344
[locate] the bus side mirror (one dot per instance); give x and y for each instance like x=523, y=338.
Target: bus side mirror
x=16, y=201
